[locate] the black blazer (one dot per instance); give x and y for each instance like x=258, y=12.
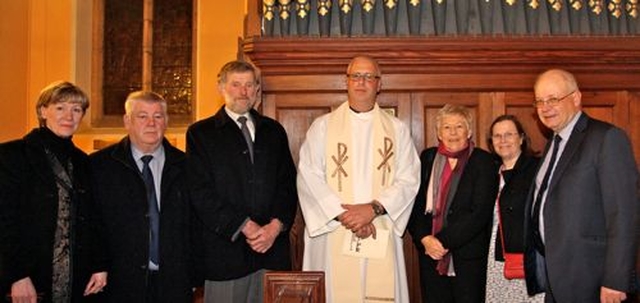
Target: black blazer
x=513, y=198
x=120, y=193
x=28, y=217
x=591, y=216
x=227, y=188
x=468, y=228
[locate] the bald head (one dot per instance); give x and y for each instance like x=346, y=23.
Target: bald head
x=558, y=98
x=561, y=76
x=364, y=59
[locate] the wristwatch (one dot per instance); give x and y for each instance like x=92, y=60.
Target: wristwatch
x=378, y=210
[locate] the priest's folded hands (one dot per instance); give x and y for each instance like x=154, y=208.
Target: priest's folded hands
x=358, y=218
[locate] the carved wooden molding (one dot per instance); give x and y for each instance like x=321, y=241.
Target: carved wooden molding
x=436, y=55
x=437, y=63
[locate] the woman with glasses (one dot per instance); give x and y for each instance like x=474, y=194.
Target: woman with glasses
x=517, y=168
x=451, y=218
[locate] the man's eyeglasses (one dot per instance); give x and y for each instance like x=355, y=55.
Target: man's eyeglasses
x=550, y=101
x=505, y=136
x=369, y=77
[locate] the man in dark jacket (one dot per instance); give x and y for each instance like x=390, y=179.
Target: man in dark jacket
x=243, y=190
x=581, y=228
x=140, y=190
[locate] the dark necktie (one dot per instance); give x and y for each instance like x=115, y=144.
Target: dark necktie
x=154, y=212
x=535, y=220
x=246, y=134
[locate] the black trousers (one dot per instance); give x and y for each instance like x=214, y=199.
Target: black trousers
x=468, y=286
x=153, y=286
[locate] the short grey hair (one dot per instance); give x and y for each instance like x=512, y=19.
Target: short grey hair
x=146, y=96
x=453, y=109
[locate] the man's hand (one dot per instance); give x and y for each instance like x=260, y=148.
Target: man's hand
x=251, y=229
x=357, y=216
x=608, y=295
x=366, y=231
x=433, y=247
x=265, y=236
x=97, y=282
x=22, y=291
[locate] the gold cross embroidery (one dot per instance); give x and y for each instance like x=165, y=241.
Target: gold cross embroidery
x=339, y=161
x=386, y=156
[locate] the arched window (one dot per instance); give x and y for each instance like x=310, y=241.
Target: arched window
x=142, y=45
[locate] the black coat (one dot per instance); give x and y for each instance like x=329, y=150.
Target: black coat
x=121, y=197
x=227, y=188
x=513, y=199
x=468, y=228
x=467, y=231
x=28, y=217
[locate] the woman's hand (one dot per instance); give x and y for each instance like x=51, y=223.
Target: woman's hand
x=97, y=282
x=433, y=247
x=22, y=291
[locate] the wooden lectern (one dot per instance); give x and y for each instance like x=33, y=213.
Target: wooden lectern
x=294, y=287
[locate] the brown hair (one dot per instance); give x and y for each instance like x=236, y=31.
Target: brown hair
x=525, y=147
x=60, y=91
x=237, y=67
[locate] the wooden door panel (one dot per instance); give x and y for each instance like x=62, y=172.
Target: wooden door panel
x=296, y=121
x=607, y=106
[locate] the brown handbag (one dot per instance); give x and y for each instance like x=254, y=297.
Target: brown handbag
x=513, y=262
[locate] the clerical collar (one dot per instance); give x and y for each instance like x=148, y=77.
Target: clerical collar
x=357, y=111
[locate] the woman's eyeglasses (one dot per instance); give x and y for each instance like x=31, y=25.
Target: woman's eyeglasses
x=505, y=136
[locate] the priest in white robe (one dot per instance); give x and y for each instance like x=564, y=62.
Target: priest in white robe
x=358, y=175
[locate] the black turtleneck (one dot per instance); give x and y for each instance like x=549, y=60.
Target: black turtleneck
x=60, y=147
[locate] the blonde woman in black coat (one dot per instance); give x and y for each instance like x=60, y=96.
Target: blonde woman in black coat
x=49, y=244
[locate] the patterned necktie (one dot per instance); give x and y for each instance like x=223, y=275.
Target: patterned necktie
x=537, y=237
x=154, y=212
x=246, y=134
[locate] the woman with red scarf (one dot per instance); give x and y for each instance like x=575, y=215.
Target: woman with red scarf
x=451, y=219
